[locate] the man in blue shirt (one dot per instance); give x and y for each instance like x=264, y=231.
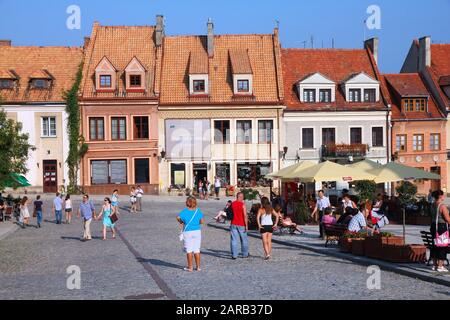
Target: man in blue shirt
x=87, y=212
x=57, y=208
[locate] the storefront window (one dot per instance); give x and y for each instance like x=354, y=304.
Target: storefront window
x=178, y=175
x=223, y=173
x=253, y=174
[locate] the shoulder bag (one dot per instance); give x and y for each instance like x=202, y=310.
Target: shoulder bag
x=442, y=240
x=181, y=236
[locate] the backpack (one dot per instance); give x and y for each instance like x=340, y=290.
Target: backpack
x=229, y=212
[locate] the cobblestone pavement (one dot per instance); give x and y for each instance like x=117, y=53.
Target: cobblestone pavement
x=147, y=262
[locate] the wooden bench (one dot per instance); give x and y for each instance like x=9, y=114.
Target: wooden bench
x=428, y=241
x=8, y=213
x=333, y=232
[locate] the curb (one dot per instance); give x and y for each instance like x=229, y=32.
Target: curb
x=359, y=260
x=13, y=229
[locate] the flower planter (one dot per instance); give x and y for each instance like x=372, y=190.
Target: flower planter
x=373, y=246
x=358, y=247
x=416, y=253
x=345, y=245
x=404, y=254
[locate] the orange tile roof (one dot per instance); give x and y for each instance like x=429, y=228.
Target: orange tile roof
x=240, y=63
x=7, y=74
x=409, y=85
x=40, y=74
x=260, y=51
x=337, y=65
x=440, y=66
x=198, y=62
x=119, y=44
x=60, y=62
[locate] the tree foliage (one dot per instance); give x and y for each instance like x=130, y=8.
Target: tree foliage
x=366, y=189
x=406, y=193
x=14, y=149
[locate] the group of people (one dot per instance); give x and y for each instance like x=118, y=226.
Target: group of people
x=136, y=194
x=204, y=188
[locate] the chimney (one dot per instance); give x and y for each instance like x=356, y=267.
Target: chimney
x=159, y=31
x=424, y=53
x=86, y=42
x=5, y=43
x=372, y=44
x=210, y=25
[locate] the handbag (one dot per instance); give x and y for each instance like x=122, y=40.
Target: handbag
x=442, y=240
x=114, y=218
x=181, y=236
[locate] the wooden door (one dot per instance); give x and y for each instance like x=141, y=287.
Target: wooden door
x=50, y=172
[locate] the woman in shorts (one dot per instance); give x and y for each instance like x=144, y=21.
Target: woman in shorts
x=68, y=209
x=266, y=225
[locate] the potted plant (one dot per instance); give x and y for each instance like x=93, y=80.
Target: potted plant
x=230, y=191
x=188, y=192
x=345, y=243
x=302, y=213
x=366, y=190
x=373, y=245
x=406, y=196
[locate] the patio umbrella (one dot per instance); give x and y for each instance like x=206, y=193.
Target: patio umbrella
x=330, y=171
x=290, y=170
x=394, y=172
x=16, y=180
x=365, y=165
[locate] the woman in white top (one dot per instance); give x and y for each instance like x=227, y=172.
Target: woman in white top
x=68, y=209
x=266, y=225
x=24, y=213
x=133, y=200
x=347, y=202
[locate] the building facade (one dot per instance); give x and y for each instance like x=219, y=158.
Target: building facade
x=119, y=108
x=335, y=106
x=32, y=82
x=220, y=109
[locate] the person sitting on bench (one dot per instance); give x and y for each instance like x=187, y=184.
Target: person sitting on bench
x=286, y=221
x=328, y=217
x=221, y=217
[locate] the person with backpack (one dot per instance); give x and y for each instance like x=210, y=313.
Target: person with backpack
x=239, y=227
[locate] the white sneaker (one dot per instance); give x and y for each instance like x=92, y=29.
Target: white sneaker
x=442, y=269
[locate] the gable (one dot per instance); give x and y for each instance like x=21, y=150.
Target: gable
x=135, y=66
x=316, y=78
x=105, y=66
x=361, y=78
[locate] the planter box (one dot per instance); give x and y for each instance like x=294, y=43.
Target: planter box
x=373, y=245
x=358, y=247
x=404, y=254
x=345, y=245
x=416, y=253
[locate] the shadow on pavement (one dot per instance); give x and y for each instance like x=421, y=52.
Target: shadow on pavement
x=160, y=263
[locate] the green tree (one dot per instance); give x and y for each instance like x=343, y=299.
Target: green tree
x=14, y=149
x=406, y=193
x=77, y=146
x=366, y=190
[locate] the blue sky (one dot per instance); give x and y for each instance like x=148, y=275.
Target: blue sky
x=43, y=22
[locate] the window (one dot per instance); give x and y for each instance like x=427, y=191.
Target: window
x=118, y=128
x=377, y=136
x=223, y=172
x=414, y=105
x=244, y=131
x=328, y=136
x=369, y=95
x=265, y=131
x=108, y=172
x=96, y=129
x=40, y=83
x=178, y=174
x=435, y=141
x=199, y=86
x=355, y=136
x=222, y=131
x=309, y=95
x=135, y=80
x=354, y=95
x=141, y=130
x=400, y=143
x=48, y=127
x=142, y=170
x=253, y=174
x=325, y=95
x=6, y=84
x=418, y=142
x=243, y=86
x=105, y=81
x=307, y=138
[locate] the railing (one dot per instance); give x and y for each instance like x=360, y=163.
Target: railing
x=344, y=151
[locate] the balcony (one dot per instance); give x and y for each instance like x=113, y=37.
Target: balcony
x=343, y=152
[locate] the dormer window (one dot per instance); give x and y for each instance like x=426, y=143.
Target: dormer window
x=199, y=86
x=243, y=85
x=105, y=81
x=6, y=84
x=361, y=88
x=242, y=72
x=414, y=104
x=40, y=83
x=316, y=88
x=135, y=80
x=135, y=75
x=354, y=95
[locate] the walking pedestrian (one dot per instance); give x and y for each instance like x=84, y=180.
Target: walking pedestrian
x=191, y=219
x=139, y=194
x=38, y=210
x=239, y=227
x=206, y=189
x=439, y=230
x=217, y=186
x=87, y=212
x=266, y=225
x=321, y=204
x=133, y=200
x=24, y=213
x=57, y=208
x=106, y=212
x=68, y=208
x=115, y=201
x=200, y=189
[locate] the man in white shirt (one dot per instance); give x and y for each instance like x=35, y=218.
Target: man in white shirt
x=139, y=194
x=217, y=186
x=321, y=204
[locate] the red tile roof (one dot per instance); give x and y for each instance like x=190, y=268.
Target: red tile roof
x=409, y=85
x=27, y=62
x=440, y=66
x=254, y=54
x=119, y=44
x=337, y=65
